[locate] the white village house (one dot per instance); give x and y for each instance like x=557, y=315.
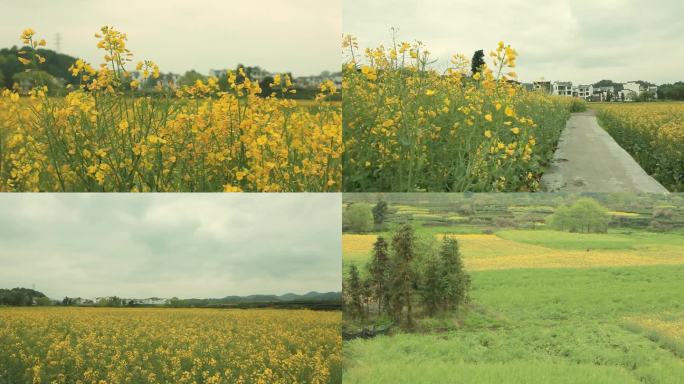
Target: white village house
x=583, y=91
x=631, y=90
x=562, y=88
x=604, y=93
x=542, y=85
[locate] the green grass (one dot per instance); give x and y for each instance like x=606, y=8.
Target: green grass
x=538, y=326
x=457, y=230
x=622, y=239
x=432, y=371
x=550, y=295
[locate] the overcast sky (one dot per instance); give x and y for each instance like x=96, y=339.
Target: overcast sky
x=574, y=40
x=301, y=36
x=184, y=245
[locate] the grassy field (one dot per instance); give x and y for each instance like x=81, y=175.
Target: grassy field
x=544, y=325
x=546, y=307
x=117, y=345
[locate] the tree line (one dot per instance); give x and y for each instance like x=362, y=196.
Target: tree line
x=55, y=73
x=22, y=297
x=406, y=279
x=673, y=91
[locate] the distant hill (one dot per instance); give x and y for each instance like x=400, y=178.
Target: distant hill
x=56, y=64
x=21, y=297
x=608, y=83
x=311, y=300
x=311, y=296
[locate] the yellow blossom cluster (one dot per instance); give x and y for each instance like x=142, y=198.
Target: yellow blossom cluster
x=137, y=345
x=409, y=127
x=653, y=133
x=106, y=136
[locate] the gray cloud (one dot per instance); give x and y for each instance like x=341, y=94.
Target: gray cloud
x=578, y=40
x=186, y=245
x=301, y=36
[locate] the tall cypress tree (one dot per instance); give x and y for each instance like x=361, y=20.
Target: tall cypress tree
x=355, y=292
x=379, y=212
x=378, y=270
x=403, y=275
x=455, y=282
x=477, y=62
x=431, y=290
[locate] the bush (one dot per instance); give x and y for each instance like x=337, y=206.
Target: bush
x=357, y=218
x=585, y=215
x=578, y=105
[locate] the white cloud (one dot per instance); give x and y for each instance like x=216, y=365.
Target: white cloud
x=185, y=245
x=578, y=40
x=301, y=36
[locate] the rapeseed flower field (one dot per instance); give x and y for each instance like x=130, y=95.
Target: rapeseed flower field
x=410, y=127
x=106, y=136
x=139, y=345
x=653, y=133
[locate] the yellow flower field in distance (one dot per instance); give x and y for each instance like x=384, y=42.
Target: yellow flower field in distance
x=356, y=248
x=106, y=136
x=653, y=133
x=137, y=345
x=489, y=251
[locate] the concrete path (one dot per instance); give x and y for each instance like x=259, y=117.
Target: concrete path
x=589, y=160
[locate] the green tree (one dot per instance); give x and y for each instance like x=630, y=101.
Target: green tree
x=403, y=274
x=477, y=62
x=432, y=293
x=36, y=78
x=239, y=70
x=355, y=293
x=43, y=301
x=380, y=212
x=56, y=64
x=454, y=281
x=19, y=296
x=265, y=85
x=585, y=215
x=357, y=218
x=673, y=91
x=190, y=78
x=378, y=271
x=175, y=302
